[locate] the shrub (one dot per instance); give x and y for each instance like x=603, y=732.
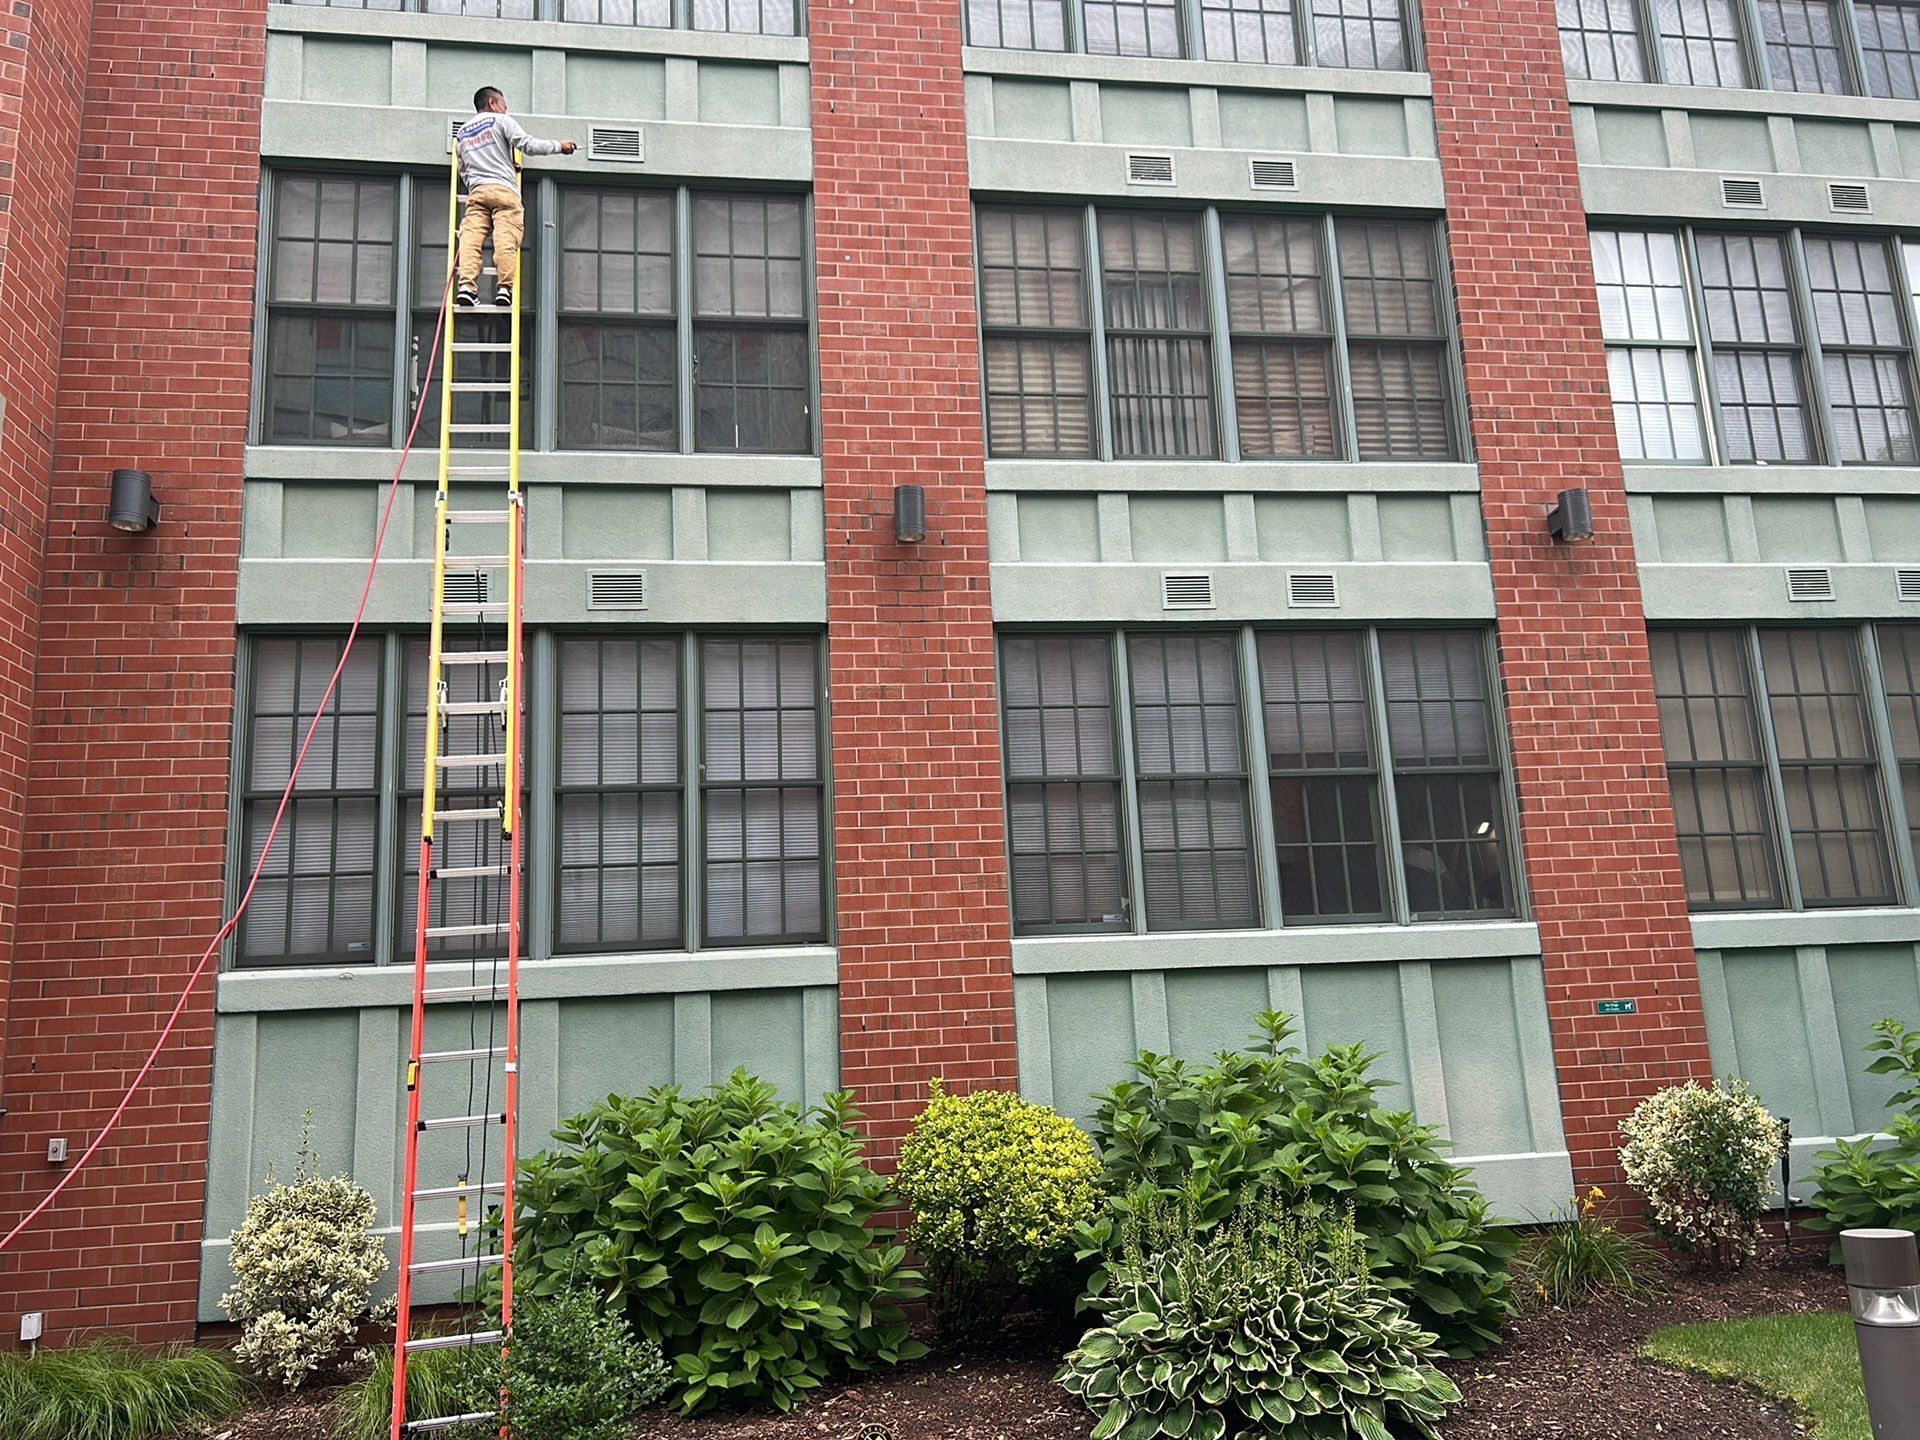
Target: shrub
x=997, y=1186
x=1701, y=1156
x=1584, y=1256
x=1874, y=1184
x=733, y=1230
x=1270, y=1326
x=1316, y=1134
x=111, y=1391
x=305, y=1263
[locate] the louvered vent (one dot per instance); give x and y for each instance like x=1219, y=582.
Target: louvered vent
x=613, y=142
x=1312, y=591
x=1813, y=583
x=1186, y=592
x=454, y=122
x=467, y=587
x=1906, y=584
x=1273, y=175
x=1742, y=194
x=1845, y=199
x=617, y=590
x=1149, y=169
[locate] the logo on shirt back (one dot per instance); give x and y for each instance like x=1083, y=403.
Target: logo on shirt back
x=476, y=130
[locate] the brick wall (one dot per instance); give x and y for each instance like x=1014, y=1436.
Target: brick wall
x=926, y=984
x=126, y=818
x=1602, y=861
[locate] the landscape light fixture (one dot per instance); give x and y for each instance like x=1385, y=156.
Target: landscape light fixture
x=1883, y=1284
x=1571, y=520
x=132, y=507
x=909, y=514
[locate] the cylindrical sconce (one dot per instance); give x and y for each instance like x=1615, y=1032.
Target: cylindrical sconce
x=909, y=514
x=1883, y=1284
x=132, y=507
x=1571, y=520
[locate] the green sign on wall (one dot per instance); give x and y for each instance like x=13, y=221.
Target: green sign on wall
x=1615, y=1007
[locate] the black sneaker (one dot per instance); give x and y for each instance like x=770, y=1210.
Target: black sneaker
x=466, y=297
x=503, y=297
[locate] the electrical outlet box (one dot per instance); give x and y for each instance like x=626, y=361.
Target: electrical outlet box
x=32, y=1326
x=57, y=1151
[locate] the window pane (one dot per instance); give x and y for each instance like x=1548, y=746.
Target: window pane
x=1642, y=287
x=1803, y=40
x=1322, y=775
x=1452, y=845
x=751, y=390
x=333, y=240
x=1033, y=279
x=329, y=378
x=617, y=386
x=1276, y=286
x=1194, y=823
x=1900, y=668
x=1133, y=27
x=1827, y=765
x=1856, y=308
x=1039, y=397
x=1359, y=34
x=1757, y=369
x=1700, y=42
x=487, y=9
x=495, y=367
x=1656, y=411
x=1392, y=289
x=1890, y=44
x=1017, y=24
x=750, y=379
x=749, y=259
x=1158, y=362
x=1438, y=713
x=616, y=252
x=658, y=13
x=746, y=17
x=1600, y=40
x=1256, y=32
x=1063, y=789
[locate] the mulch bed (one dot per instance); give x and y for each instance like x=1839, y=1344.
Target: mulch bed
x=1559, y=1376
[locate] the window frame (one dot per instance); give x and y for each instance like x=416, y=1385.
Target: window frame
x=806, y=324
x=1191, y=16
x=680, y=11
x=603, y=320
x=1705, y=395
x=1756, y=53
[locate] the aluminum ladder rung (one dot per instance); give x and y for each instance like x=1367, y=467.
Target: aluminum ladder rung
x=447, y=1057
x=482, y=387
x=466, y=992
x=477, y=517
x=469, y=762
x=468, y=872
x=477, y=562
x=464, y=1262
x=455, y=1192
x=448, y=1422
x=460, y=932
x=473, y=657
x=461, y=816
x=476, y=347
x=473, y=707
x=464, y=1122
x=456, y=1342
x=478, y=470
x=474, y=608
x=480, y=428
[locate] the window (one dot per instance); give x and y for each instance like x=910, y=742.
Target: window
x=1856, y=314
x=315, y=897
x=1804, y=40
x=1160, y=375
x=1900, y=664
x=1360, y=34
x=1649, y=334
x=1150, y=317
x=762, y=791
x=620, y=794
x=1756, y=348
x=1600, y=40
x=1063, y=783
x=330, y=299
x=742, y=17
x=1017, y=24
x=750, y=347
x=619, y=345
x=1256, y=32
x=1035, y=332
x=1352, y=34
x=1197, y=862
x=1133, y=27
x=1446, y=776
x=747, y=17
x=483, y=367
x=1890, y=47
x=1700, y=42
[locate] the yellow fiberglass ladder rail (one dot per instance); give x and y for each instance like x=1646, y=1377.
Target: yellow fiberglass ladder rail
x=462, y=1100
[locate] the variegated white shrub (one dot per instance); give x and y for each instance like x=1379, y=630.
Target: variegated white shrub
x=1701, y=1156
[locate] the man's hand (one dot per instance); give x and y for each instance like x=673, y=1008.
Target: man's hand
x=567, y=147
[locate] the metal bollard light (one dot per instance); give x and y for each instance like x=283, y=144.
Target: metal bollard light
x=1883, y=1286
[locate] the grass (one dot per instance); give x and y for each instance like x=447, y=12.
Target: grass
x=439, y=1382
x=111, y=1391
x=1809, y=1361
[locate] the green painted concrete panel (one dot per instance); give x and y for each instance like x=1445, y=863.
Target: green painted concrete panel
x=1692, y=528
x=1731, y=142
x=454, y=72
x=353, y=72
x=1893, y=525
x=1032, y=109
x=1769, y=1033
x=1797, y=527
x=628, y=87
x=1212, y=1010
x=1145, y=115
x=302, y=1062
x=1254, y=121
x=1908, y=139
x=1177, y=527
x=1870, y=982
x=617, y=524
x=613, y=1047
x=1416, y=527
x=1481, y=1057
x=1834, y=147
x=739, y=94
x=749, y=525
x=1091, y=1021
x=1631, y=137
x=324, y=522
x=1059, y=527
x=1303, y=527
x=1367, y=126
x=1360, y=1004
x=764, y=1031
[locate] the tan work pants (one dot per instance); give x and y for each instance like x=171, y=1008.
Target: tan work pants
x=496, y=208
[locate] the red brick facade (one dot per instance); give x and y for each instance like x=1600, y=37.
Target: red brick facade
x=1602, y=860
x=125, y=820
x=926, y=985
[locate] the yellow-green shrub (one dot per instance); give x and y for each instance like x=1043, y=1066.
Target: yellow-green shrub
x=997, y=1186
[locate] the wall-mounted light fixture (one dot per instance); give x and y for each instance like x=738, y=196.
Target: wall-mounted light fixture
x=1571, y=521
x=132, y=507
x=909, y=514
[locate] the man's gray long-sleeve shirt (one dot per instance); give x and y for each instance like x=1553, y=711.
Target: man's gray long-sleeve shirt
x=486, y=144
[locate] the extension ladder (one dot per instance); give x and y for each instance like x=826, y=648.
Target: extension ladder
x=470, y=848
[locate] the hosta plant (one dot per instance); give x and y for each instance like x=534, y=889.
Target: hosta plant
x=1702, y=1156
x=1875, y=1183
x=1315, y=1133
x=1269, y=1326
x=732, y=1229
x=997, y=1186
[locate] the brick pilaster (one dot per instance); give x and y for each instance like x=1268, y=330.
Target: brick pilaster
x=926, y=985
x=1602, y=861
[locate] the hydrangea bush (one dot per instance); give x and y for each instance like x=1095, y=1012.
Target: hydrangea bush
x=997, y=1186
x=1701, y=1157
x=1874, y=1183
x=305, y=1264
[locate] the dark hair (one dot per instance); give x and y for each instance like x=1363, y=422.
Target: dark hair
x=484, y=96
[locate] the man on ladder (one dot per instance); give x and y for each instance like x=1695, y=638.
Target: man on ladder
x=486, y=146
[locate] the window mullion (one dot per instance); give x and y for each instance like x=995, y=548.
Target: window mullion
x=1129, y=797
x=1253, y=721
x=546, y=325
x=390, y=841
x=1383, y=759
x=1759, y=65
x=1887, y=756
x=1226, y=409
x=1854, y=53
x=1648, y=30
x=1074, y=20
x=683, y=308
x=1447, y=299
x=1191, y=33
x=1703, y=347
x=1337, y=313
x=539, y=887
x=1906, y=281
x=1810, y=350
x=1763, y=719
x=693, y=771
x=1096, y=287
x=402, y=289
x=823, y=776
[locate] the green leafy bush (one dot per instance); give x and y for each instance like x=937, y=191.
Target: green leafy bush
x=1268, y=1327
x=997, y=1186
x=733, y=1231
x=305, y=1262
x=1584, y=1255
x=1875, y=1183
x=111, y=1391
x=1701, y=1157
x=1316, y=1134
